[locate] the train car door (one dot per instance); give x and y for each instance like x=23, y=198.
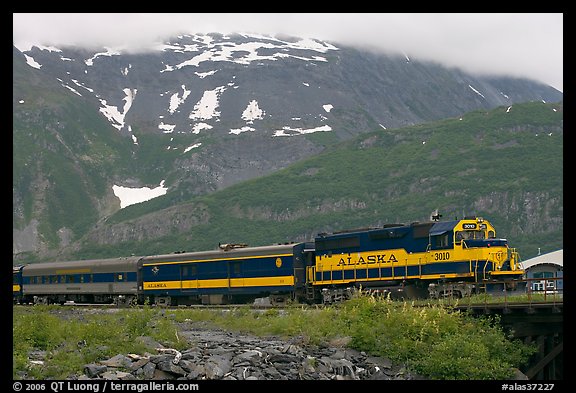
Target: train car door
x=189, y=278
x=235, y=277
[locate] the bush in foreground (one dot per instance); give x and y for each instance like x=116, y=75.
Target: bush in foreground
x=432, y=341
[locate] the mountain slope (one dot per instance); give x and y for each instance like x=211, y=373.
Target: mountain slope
x=505, y=164
x=202, y=113
x=63, y=155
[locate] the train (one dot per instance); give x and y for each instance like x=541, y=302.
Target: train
x=434, y=259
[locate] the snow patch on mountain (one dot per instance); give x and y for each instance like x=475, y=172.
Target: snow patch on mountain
x=199, y=127
x=252, y=112
x=206, y=108
x=109, y=52
x=130, y=196
x=238, y=131
x=31, y=62
x=289, y=131
x=112, y=113
x=245, y=52
x=176, y=100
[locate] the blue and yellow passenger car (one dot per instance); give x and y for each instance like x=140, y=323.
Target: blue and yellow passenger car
x=231, y=273
x=17, y=284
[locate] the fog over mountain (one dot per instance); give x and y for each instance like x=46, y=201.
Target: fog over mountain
x=524, y=45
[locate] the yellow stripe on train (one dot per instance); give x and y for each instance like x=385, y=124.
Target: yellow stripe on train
x=220, y=283
x=507, y=272
x=16, y=288
x=400, y=258
x=392, y=278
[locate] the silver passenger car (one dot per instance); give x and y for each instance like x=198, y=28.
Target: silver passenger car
x=86, y=281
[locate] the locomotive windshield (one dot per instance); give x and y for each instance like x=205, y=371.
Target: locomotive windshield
x=470, y=235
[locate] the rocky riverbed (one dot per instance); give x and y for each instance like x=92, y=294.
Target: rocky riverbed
x=216, y=354
x=222, y=355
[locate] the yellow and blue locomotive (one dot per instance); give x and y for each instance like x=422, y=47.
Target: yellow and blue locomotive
x=436, y=259
x=452, y=258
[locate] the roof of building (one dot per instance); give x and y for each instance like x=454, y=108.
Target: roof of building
x=554, y=258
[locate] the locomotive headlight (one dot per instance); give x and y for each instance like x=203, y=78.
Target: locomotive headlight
x=479, y=219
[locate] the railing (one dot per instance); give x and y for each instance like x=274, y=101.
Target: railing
x=548, y=287
x=528, y=291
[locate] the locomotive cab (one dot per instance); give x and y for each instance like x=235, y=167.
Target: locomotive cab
x=476, y=254
x=476, y=239
x=477, y=233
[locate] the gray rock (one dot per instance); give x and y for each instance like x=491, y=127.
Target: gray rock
x=148, y=370
x=171, y=368
x=118, y=361
x=94, y=370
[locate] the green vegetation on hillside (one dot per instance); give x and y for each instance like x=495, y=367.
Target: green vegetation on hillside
x=61, y=170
